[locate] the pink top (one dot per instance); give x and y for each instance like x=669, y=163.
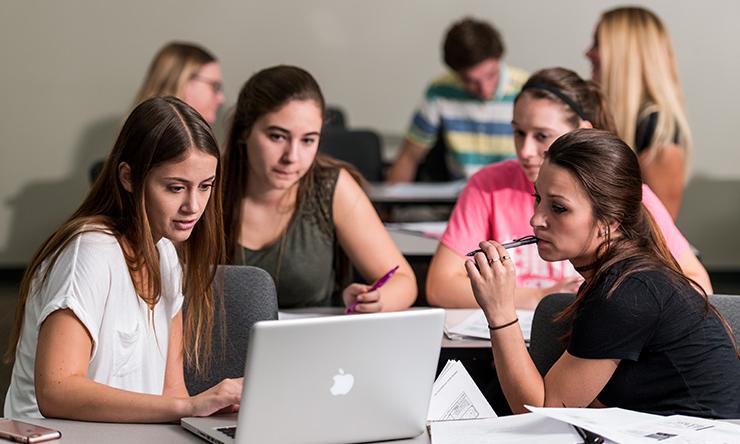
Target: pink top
x=498, y=202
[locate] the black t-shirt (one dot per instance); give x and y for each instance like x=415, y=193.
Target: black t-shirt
x=675, y=358
x=645, y=130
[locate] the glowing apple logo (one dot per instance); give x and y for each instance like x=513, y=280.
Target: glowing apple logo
x=342, y=383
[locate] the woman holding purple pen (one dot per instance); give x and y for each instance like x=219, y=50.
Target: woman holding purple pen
x=642, y=337
x=498, y=201
x=299, y=215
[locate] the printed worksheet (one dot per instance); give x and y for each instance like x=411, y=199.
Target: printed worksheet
x=455, y=396
x=627, y=426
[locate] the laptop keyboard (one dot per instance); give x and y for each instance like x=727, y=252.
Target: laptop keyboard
x=229, y=431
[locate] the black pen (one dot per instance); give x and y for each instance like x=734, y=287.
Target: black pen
x=588, y=437
x=526, y=240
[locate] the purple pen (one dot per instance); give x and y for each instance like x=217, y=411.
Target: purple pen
x=526, y=240
x=379, y=283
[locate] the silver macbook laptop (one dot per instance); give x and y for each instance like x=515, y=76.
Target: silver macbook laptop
x=338, y=379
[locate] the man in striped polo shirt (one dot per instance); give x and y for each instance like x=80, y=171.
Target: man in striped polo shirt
x=468, y=110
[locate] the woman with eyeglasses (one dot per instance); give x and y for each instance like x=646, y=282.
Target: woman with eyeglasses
x=188, y=72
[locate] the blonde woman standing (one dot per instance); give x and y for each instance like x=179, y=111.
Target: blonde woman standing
x=633, y=60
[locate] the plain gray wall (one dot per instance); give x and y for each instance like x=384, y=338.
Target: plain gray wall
x=71, y=69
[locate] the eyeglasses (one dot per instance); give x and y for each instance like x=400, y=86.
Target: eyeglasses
x=216, y=85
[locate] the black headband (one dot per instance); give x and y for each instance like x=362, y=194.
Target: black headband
x=559, y=94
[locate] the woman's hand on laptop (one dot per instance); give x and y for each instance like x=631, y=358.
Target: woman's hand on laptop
x=223, y=397
x=358, y=299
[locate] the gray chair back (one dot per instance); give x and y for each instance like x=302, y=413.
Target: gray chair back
x=545, y=346
x=729, y=306
x=360, y=148
x=249, y=296
x=433, y=168
x=335, y=117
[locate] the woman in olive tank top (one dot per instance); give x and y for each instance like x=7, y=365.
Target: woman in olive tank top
x=300, y=215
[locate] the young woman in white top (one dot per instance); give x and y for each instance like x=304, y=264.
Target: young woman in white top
x=99, y=332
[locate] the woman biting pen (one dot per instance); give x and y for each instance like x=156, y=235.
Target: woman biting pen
x=498, y=201
x=643, y=337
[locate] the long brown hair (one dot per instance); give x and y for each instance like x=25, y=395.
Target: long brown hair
x=265, y=92
x=159, y=130
x=547, y=83
x=609, y=173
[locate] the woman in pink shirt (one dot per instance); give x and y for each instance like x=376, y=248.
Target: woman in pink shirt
x=498, y=201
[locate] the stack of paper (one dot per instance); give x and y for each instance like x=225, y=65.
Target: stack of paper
x=614, y=425
x=455, y=396
x=626, y=426
x=679, y=429
x=476, y=326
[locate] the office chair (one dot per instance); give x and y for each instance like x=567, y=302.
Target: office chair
x=434, y=166
x=729, y=306
x=249, y=296
x=335, y=118
x=545, y=346
x=360, y=148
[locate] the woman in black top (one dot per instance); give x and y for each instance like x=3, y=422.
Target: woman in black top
x=642, y=338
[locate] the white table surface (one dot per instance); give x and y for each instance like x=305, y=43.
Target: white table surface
x=109, y=433
x=414, y=244
x=415, y=192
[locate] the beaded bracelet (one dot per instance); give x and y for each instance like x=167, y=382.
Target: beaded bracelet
x=499, y=327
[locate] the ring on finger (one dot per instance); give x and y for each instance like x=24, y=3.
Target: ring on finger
x=492, y=261
x=504, y=257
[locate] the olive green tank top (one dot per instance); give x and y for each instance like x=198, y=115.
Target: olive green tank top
x=303, y=261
